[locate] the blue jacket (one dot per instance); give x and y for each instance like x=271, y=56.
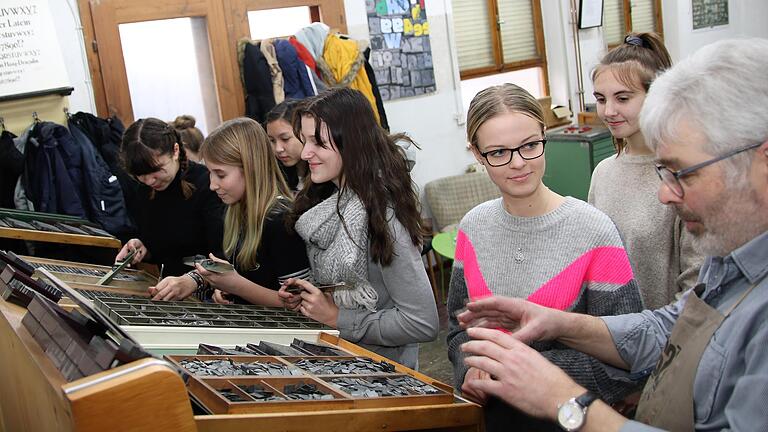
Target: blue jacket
x=53, y=173
x=296, y=83
x=103, y=199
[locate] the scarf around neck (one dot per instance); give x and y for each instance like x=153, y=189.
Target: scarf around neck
x=338, y=248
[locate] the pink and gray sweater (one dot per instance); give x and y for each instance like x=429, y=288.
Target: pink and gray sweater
x=570, y=259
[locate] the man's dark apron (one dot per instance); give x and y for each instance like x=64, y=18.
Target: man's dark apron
x=667, y=399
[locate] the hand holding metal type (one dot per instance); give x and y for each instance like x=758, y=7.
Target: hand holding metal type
x=209, y=264
x=117, y=268
x=295, y=289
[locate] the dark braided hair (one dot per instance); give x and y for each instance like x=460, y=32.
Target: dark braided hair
x=144, y=141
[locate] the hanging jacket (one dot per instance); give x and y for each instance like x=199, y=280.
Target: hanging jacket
x=313, y=38
x=342, y=66
x=11, y=166
x=20, y=199
x=303, y=53
x=317, y=83
x=296, y=82
x=375, y=87
x=268, y=50
x=257, y=80
x=52, y=176
x=104, y=200
x=106, y=135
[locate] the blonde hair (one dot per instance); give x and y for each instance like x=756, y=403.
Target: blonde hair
x=242, y=142
x=501, y=99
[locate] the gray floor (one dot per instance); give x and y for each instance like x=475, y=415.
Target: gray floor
x=433, y=356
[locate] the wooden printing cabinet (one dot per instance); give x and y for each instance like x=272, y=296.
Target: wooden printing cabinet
x=149, y=394
x=47, y=227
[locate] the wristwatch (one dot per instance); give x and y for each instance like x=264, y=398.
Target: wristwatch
x=572, y=414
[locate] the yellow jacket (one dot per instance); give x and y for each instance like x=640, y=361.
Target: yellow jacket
x=342, y=64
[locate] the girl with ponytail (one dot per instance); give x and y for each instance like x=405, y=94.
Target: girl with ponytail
x=175, y=212
x=625, y=186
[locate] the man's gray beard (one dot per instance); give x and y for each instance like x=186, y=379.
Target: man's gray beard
x=736, y=218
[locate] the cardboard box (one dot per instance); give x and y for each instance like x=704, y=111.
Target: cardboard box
x=554, y=116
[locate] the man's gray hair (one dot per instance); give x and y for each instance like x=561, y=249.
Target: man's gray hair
x=722, y=90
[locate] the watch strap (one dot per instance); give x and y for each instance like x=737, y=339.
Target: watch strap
x=586, y=399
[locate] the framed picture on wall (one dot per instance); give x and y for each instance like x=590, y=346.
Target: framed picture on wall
x=590, y=13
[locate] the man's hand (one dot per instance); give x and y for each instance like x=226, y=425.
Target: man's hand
x=527, y=321
x=173, y=288
x=520, y=375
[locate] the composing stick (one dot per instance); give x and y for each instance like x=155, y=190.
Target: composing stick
x=116, y=269
x=208, y=264
x=295, y=289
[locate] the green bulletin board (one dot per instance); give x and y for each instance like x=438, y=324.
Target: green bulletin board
x=709, y=13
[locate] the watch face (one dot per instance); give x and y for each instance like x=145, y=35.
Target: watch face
x=570, y=416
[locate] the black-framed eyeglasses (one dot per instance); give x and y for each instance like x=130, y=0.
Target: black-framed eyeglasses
x=672, y=178
x=503, y=156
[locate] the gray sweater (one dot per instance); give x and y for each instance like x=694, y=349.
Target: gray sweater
x=406, y=313
x=569, y=259
x=660, y=250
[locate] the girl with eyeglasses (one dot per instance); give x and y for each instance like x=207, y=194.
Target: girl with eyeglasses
x=359, y=218
x=534, y=244
x=245, y=176
x=625, y=186
x=176, y=213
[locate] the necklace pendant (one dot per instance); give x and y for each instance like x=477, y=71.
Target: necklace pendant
x=519, y=257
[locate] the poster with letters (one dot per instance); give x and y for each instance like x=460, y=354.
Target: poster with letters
x=30, y=56
x=401, y=55
x=709, y=13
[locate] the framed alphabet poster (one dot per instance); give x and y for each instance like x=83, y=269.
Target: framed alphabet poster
x=30, y=56
x=401, y=55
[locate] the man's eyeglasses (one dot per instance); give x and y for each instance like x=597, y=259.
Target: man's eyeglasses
x=672, y=178
x=503, y=156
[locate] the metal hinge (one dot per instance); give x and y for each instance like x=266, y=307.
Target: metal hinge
x=95, y=46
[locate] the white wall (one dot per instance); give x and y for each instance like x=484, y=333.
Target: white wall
x=431, y=120
x=435, y=120
x=66, y=19
x=747, y=19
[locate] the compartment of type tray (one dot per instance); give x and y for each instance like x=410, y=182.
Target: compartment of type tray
x=264, y=395
x=145, y=312
x=233, y=366
x=348, y=365
x=388, y=390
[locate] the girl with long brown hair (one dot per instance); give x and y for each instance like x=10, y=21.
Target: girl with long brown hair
x=359, y=217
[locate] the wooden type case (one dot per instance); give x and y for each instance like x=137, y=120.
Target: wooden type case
x=85, y=276
x=35, y=226
x=206, y=388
